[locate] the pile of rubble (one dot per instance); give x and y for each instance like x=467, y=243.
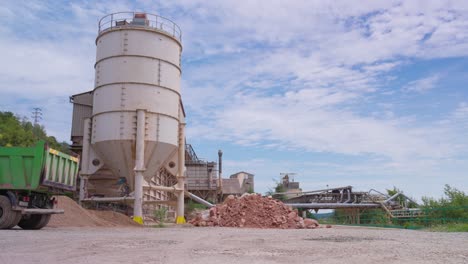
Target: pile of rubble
x=252, y=210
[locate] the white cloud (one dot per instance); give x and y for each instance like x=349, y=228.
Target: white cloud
x=328, y=63
x=338, y=30
x=461, y=112
x=44, y=69
x=313, y=119
x=423, y=85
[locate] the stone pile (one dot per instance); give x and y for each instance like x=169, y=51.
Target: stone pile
x=255, y=211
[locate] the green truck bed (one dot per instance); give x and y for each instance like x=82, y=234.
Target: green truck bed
x=37, y=168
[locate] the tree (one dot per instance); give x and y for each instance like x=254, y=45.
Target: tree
x=12, y=133
x=451, y=208
x=279, y=188
x=16, y=131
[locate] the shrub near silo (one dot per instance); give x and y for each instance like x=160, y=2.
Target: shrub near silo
x=160, y=215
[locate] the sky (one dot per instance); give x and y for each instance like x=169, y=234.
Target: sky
x=371, y=94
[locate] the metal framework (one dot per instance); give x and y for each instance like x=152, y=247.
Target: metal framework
x=202, y=176
x=202, y=179
x=396, y=206
x=190, y=155
x=154, y=199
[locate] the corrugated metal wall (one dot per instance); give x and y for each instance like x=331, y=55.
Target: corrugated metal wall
x=82, y=109
x=80, y=113
x=199, y=174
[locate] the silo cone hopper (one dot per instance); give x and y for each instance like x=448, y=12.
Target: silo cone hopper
x=137, y=125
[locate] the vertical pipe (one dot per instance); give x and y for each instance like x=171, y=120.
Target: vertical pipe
x=139, y=167
x=220, y=170
x=84, y=175
x=83, y=187
x=208, y=171
x=86, y=142
x=180, y=176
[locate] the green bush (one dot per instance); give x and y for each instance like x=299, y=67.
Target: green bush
x=160, y=215
x=453, y=208
x=449, y=213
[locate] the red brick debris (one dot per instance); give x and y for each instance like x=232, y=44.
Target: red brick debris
x=252, y=210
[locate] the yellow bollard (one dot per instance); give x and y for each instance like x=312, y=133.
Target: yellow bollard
x=138, y=219
x=180, y=220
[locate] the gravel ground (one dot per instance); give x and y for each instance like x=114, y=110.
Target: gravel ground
x=231, y=245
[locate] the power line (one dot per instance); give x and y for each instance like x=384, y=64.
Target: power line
x=37, y=115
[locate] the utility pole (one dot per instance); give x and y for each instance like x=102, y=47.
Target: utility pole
x=37, y=115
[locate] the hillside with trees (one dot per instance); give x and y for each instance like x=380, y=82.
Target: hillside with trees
x=19, y=132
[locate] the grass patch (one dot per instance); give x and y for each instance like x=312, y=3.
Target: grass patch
x=459, y=227
x=158, y=226
x=191, y=205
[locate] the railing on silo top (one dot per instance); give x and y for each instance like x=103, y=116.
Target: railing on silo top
x=140, y=19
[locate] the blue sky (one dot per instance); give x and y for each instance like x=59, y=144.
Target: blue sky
x=372, y=95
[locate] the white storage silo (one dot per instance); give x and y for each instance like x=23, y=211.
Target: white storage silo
x=137, y=121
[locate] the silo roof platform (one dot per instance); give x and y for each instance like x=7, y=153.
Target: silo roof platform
x=140, y=20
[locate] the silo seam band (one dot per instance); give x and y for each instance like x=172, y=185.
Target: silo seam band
x=133, y=111
x=138, y=56
x=141, y=83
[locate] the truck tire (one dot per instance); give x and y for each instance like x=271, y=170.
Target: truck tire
x=8, y=217
x=34, y=221
x=15, y=221
x=44, y=221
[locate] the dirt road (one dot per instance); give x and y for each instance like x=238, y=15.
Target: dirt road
x=230, y=245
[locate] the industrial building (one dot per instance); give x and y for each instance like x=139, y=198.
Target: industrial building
x=130, y=129
x=103, y=183
x=238, y=184
x=202, y=177
x=288, y=184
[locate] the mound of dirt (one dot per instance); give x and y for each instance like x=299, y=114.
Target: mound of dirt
x=76, y=216
x=252, y=211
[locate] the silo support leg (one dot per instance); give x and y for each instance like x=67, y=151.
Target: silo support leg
x=139, y=167
x=83, y=187
x=181, y=176
x=180, y=208
x=137, y=206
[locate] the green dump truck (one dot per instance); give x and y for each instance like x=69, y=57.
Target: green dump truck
x=29, y=177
